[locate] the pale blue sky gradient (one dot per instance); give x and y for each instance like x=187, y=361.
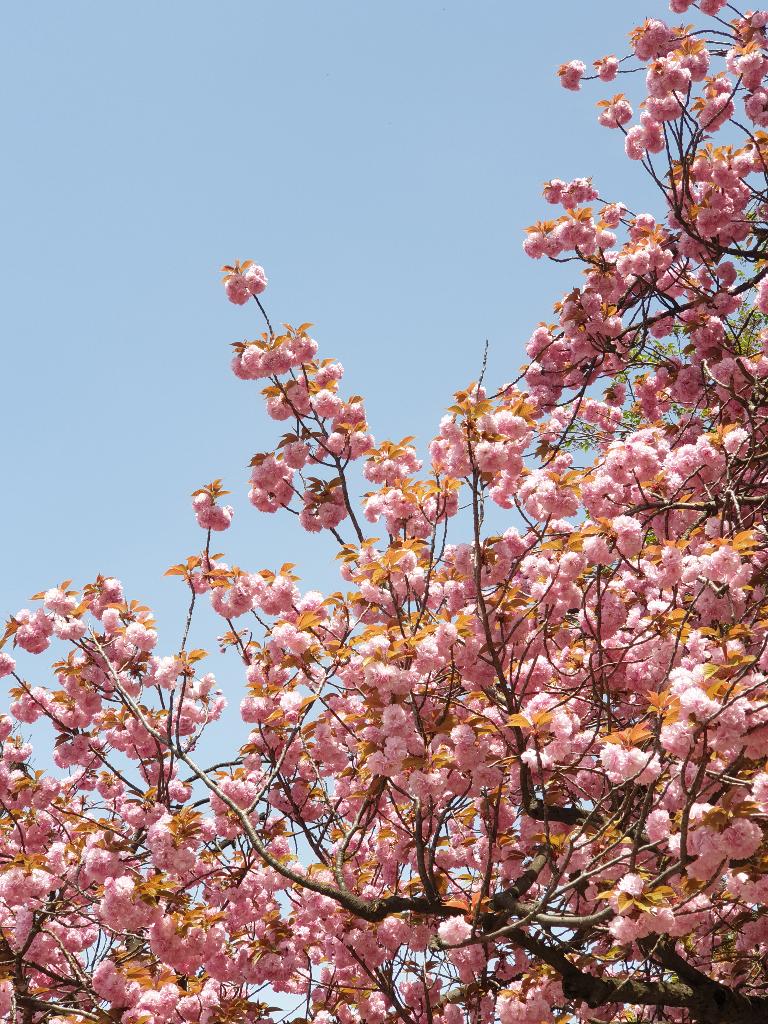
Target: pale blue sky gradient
x=380, y=159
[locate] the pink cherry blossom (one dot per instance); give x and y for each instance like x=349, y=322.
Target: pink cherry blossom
x=571, y=74
x=511, y=766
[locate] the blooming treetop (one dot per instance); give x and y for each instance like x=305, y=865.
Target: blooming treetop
x=516, y=777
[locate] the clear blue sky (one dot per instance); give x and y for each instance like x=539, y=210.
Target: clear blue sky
x=379, y=159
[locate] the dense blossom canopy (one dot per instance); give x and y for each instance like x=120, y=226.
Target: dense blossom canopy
x=516, y=777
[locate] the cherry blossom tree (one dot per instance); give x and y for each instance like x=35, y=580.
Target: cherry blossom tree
x=516, y=776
